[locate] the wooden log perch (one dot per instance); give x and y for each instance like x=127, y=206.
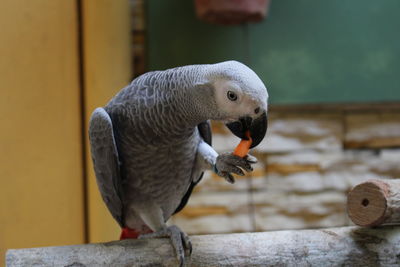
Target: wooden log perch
x=375, y=202
x=346, y=246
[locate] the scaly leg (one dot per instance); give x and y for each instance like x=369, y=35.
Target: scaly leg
x=228, y=163
x=180, y=241
x=154, y=218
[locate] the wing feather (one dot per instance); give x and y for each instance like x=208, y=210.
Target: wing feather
x=206, y=134
x=106, y=162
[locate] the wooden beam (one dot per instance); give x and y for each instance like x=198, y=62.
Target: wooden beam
x=346, y=246
x=375, y=202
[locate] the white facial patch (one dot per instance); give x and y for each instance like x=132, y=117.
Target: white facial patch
x=244, y=105
x=233, y=76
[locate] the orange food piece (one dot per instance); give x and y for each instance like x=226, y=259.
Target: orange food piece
x=243, y=147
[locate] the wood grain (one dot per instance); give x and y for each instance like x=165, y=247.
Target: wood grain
x=375, y=202
x=347, y=246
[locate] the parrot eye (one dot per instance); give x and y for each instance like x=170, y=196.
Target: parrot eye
x=232, y=96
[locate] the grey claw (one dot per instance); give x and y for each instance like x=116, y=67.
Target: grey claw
x=180, y=241
x=250, y=159
x=231, y=178
x=186, y=243
x=228, y=177
x=241, y=162
x=238, y=171
x=229, y=163
x=190, y=248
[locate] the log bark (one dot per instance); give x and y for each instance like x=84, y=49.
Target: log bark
x=375, y=202
x=346, y=246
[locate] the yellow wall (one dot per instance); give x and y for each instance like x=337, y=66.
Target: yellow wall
x=42, y=198
x=40, y=138
x=107, y=68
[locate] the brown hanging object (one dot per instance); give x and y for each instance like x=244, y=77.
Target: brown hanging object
x=230, y=12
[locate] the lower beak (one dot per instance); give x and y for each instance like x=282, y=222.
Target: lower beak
x=257, y=128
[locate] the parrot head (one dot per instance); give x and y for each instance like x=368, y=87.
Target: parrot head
x=241, y=99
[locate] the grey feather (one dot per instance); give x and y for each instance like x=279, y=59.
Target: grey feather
x=106, y=162
x=206, y=134
x=154, y=122
x=205, y=131
x=145, y=141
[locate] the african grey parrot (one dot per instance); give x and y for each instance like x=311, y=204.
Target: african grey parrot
x=152, y=142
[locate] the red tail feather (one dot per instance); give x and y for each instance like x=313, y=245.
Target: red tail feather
x=128, y=233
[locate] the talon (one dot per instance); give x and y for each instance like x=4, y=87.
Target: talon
x=186, y=242
x=228, y=163
x=229, y=177
x=180, y=241
x=250, y=159
x=248, y=167
x=190, y=248
x=240, y=172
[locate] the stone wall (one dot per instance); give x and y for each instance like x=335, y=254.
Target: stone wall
x=307, y=164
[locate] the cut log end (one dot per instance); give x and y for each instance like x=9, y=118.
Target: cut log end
x=367, y=203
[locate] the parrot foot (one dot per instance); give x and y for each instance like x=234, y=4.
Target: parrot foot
x=180, y=241
x=228, y=163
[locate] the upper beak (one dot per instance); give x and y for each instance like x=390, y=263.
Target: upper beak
x=257, y=128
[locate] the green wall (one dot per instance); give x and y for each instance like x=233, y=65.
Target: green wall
x=306, y=51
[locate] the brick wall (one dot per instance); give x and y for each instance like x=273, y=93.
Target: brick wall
x=307, y=164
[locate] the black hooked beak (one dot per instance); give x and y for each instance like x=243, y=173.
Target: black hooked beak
x=257, y=128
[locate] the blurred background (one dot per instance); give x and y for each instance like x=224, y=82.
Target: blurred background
x=332, y=69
